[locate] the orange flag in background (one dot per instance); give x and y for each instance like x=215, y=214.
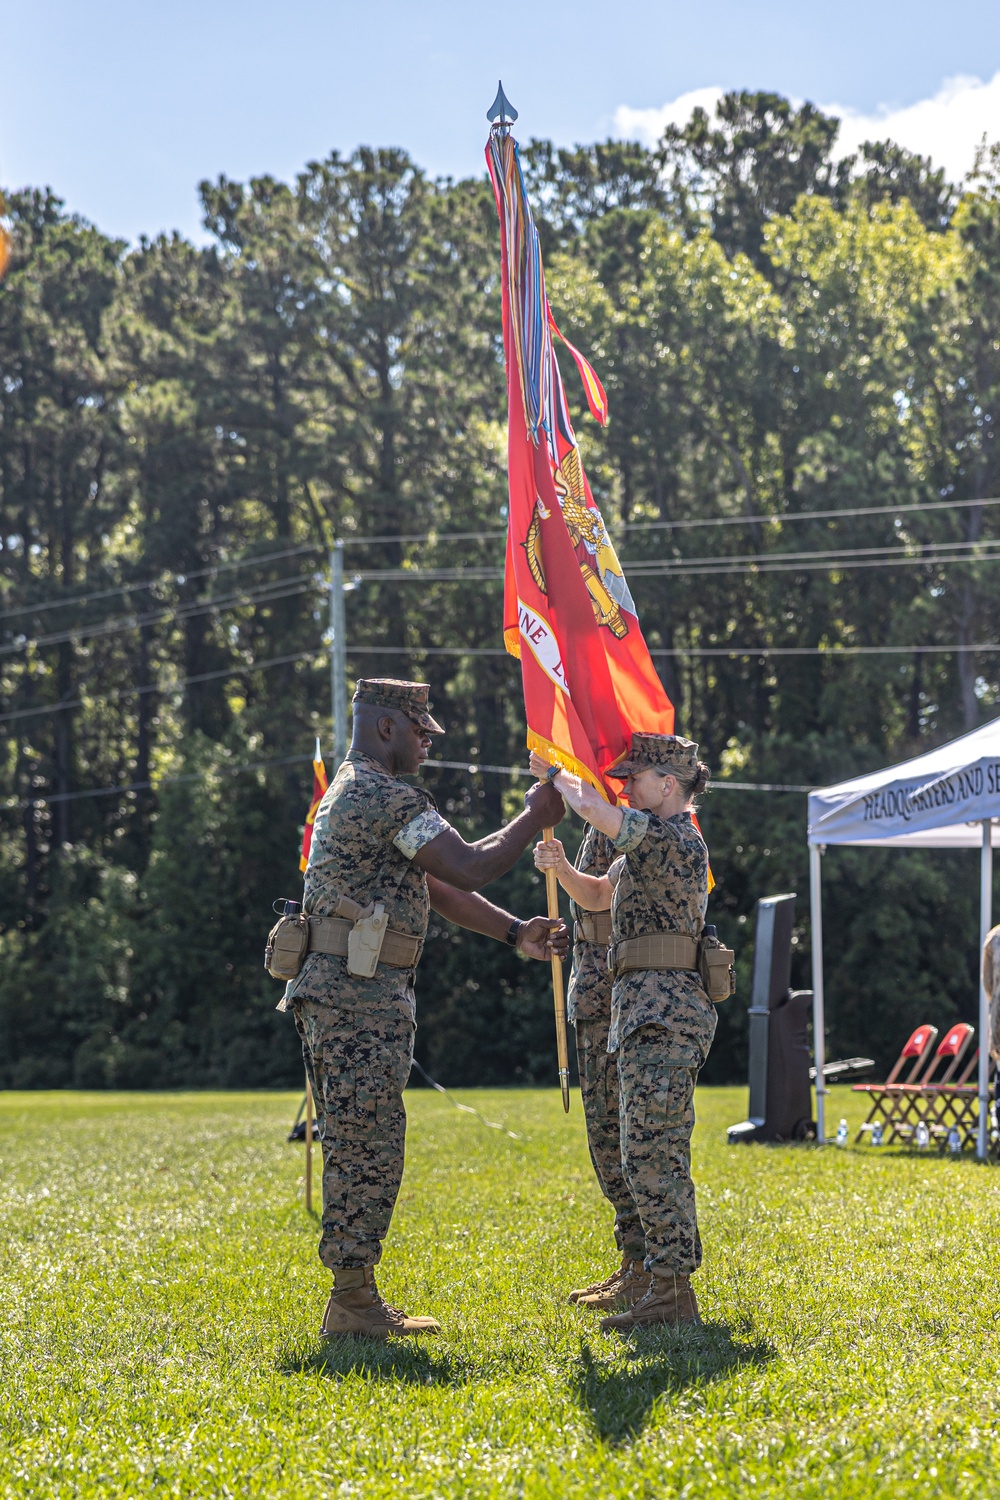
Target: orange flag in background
x=588, y=678
x=320, y=784
x=4, y=241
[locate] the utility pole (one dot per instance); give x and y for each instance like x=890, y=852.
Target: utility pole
x=338, y=655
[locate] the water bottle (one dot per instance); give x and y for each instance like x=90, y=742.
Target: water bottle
x=923, y=1136
x=877, y=1133
x=955, y=1141
x=842, y=1133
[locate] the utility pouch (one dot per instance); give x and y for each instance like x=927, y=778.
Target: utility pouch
x=716, y=965
x=287, y=946
x=364, y=942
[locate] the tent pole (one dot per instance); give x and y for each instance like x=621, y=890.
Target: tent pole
x=985, y=922
x=816, y=916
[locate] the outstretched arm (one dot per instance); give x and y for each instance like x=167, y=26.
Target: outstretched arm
x=537, y=937
x=469, y=867
x=592, y=892
x=582, y=798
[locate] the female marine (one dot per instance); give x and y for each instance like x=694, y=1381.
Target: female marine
x=662, y=1021
x=588, y=1006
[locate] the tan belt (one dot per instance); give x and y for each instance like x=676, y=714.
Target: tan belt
x=593, y=927
x=654, y=950
x=400, y=950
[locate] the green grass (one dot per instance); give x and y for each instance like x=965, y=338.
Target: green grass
x=160, y=1296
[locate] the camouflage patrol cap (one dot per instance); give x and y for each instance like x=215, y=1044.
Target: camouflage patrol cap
x=410, y=698
x=665, y=752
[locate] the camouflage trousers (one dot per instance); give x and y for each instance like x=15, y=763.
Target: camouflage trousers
x=358, y=1062
x=599, y=1091
x=656, y=1082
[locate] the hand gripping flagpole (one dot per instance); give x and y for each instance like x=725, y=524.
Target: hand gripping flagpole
x=558, y=993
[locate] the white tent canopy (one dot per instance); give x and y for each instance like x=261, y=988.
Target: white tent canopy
x=946, y=799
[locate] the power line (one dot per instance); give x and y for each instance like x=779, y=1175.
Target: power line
x=472, y=767
x=278, y=588
x=697, y=567
x=805, y=515
x=145, y=786
x=243, y=669
x=834, y=554
x=429, y=575
x=161, y=581
x=701, y=567
x=626, y=528
x=838, y=565
x=422, y=536
x=825, y=651
x=991, y=647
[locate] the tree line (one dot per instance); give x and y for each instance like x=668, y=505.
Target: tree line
x=802, y=359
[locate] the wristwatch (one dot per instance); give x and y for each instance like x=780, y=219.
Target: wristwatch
x=513, y=932
x=553, y=772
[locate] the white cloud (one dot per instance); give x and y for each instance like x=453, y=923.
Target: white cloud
x=946, y=127
x=647, y=125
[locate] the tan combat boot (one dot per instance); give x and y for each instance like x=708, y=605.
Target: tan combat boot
x=625, y=1289
x=357, y=1309
x=670, y=1300
x=599, y=1287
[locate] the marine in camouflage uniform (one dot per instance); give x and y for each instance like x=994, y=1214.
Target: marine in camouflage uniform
x=357, y=1033
x=588, y=1006
x=662, y=1021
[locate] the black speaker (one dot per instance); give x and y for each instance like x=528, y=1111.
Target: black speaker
x=780, y=1095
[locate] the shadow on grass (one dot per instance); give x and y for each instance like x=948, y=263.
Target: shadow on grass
x=661, y=1361
x=409, y=1360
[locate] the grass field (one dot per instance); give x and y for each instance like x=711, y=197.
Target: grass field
x=160, y=1297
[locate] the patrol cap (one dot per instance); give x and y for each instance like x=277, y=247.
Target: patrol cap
x=665, y=752
x=410, y=698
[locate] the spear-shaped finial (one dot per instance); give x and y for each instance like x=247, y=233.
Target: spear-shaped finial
x=501, y=113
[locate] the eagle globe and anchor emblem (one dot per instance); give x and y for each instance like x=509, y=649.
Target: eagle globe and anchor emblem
x=602, y=574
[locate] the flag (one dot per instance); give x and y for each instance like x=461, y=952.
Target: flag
x=4, y=241
x=588, y=678
x=320, y=785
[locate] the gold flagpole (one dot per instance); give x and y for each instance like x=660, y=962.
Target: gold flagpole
x=309, y=1146
x=558, y=994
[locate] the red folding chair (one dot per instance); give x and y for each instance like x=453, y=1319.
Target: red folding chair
x=916, y=1048
x=957, y=1104
x=914, y=1101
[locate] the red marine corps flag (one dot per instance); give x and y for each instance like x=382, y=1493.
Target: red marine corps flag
x=568, y=615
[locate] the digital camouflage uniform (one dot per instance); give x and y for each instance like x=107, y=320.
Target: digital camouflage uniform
x=662, y=1026
x=588, y=1006
x=357, y=1034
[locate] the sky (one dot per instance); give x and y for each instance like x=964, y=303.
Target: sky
x=123, y=106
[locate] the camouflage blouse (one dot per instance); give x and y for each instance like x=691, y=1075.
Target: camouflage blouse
x=368, y=828
x=589, y=995
x=660, y=884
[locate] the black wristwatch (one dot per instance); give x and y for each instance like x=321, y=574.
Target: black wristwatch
x=553, y=771
x=513, y=932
